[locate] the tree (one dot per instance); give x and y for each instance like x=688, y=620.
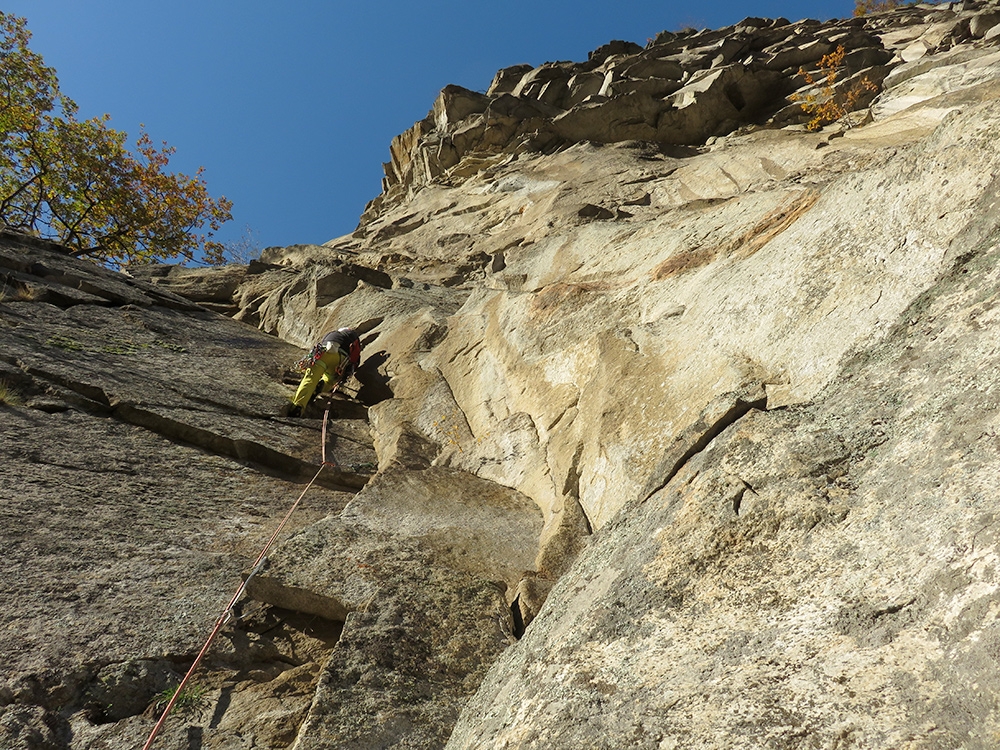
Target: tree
x=243, y=249
x=832, y=99
x=76, y=181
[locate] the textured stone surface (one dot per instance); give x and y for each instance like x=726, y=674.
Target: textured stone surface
x=144, y=465
x=146, y=461
x=572, y=362
x=819, y=577
x=210, y=287
x=655, y=444
x=682, y=88
x=421, y=566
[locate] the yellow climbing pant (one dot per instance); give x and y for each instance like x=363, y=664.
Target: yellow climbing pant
x=319, y=377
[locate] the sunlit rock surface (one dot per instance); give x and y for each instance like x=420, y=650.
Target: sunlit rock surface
x=675, y=427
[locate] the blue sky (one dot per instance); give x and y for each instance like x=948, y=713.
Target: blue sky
x=290, y=107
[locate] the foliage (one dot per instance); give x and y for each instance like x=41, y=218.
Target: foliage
x=243, y=249
x=15, y=291
x=831, y=104
x=191, y=697
x=76, y=181
x=867, y=7
x=64, y=342
x=9, y=395
x=123, y=347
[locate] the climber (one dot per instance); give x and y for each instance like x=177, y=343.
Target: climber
x=331, y=362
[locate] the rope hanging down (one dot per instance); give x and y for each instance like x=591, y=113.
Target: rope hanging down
x=227, y=613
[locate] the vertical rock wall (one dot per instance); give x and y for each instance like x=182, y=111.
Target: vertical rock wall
x=651, y=343
x=681, y=425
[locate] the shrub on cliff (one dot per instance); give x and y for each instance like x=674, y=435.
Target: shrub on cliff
x=831, y=101
x=76, y=181
x=868, y=7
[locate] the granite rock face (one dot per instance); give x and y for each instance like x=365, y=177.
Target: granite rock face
x=418, y=566
x=817, y=576
x=675, y=427
x=146, y=460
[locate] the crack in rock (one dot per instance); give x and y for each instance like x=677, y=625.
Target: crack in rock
x=722, y=412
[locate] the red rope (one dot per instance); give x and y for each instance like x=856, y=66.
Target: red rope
x=227, y=612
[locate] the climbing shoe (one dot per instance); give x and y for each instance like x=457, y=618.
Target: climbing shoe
x=295, y=411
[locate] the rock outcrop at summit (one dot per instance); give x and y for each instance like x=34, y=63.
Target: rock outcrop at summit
x=680, y=89
x=676, y=426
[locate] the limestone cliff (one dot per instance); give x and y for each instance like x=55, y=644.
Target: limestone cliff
x=676, y=428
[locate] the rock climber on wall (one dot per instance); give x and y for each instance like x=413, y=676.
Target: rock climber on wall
x=332, y=361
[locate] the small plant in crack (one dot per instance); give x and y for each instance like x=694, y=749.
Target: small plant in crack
x=190, y=698
x=123, y=347
x=451, y=432
x=19, y=292
x=64, y=342
x=9, y=395
x=170, y=346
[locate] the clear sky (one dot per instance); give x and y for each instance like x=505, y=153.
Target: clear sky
x=290, y=106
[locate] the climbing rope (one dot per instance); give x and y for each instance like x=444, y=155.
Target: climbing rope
x=227, y=613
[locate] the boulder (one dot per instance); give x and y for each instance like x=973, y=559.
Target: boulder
x=581, y=86
x=454, y=104
x=865, y=57
x=784, y=57
x=730, y=49
x=712, y=102
x=535, y=79
x=507, y=79
x=981, y=23
x=652, y=67
x=914, y=51
x=613, y=48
